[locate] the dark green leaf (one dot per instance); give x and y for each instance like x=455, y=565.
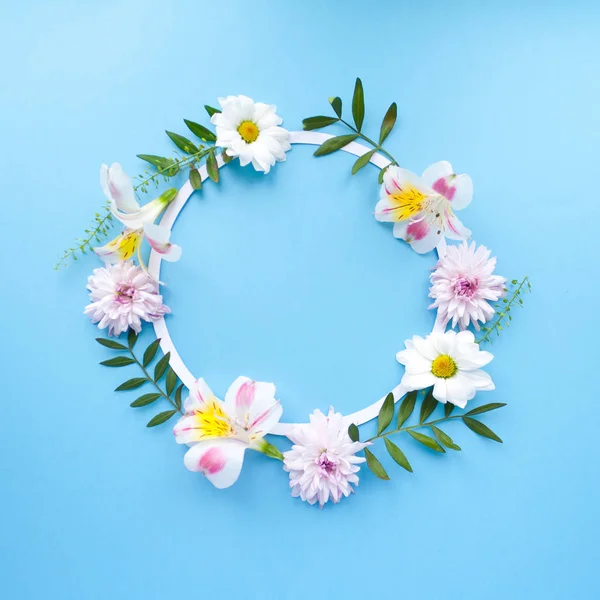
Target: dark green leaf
x=381, y=174
x=161, y=366
x=183, y=143
x=111, y=344
x=210, y=110
x=397, y=455
x=353, y=432
x=150, y=352
x=131, y=384
x=428, y=406
x=195, y=179
x=406, y=408
x=386, y=413
x=375, y=465
x=161, y=418
x=426, y=441
x=157, y=161
x=118, y=361
x=362, y=161
x=318, y=122
x=448, y=408
x=336, y=104
x=225, y=157
x=335, y=143
x=171, y=381
x=486, y=408
x=178, y=392
x=444, y=438
x=145, y=400
x=131, y=338
x=205, y=134
x=358, y=104
x=481, y=429
x=212, y=167
x=388, y=122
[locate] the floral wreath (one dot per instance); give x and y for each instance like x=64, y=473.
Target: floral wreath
x=444, y=367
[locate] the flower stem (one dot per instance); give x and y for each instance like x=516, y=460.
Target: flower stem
x=154, y=383
x=427, y=424
x=370, y=141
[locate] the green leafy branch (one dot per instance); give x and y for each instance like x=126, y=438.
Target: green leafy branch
x=165, y=169
x=172, y=389
x=358, y=115
x=503, y=309
x=438, y=442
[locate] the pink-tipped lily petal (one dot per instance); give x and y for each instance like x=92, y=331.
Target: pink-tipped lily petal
x=158, y=237
x=117, y=187
x=220, y=461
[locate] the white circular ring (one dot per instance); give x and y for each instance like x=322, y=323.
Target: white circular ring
x=168, y=220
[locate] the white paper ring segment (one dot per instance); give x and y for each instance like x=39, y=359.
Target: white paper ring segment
x=169, y=218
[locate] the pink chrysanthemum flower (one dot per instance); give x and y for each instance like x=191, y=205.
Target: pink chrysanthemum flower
x=123, y=296
x=322, y=462
x=462, y=284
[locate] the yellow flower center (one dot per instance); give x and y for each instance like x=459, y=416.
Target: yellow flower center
x=213, y=422
x=249, y=131
x=407, y=202
x=444, y=366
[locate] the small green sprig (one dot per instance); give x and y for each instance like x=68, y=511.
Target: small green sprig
x=358, y=116
x=438, y=442
x=503, y=309
x=127, y=356
x=165, y=169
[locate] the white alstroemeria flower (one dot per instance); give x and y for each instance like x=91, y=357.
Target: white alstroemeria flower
x=250, y=130
x=450, y=362
x=220, y=432
x=138, y=220
x=422, y=208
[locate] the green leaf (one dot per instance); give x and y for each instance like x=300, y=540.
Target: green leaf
x=444, y=438
x=358, y=104
x=334, y=143
x=362, y=161
x=397, y=455
x=145, y=400
x=212, y=167
x=386, y=413
x=381, y=174
x=118, y=361
x=353, y=432
x=171, y=381
x=426, y=441
x=375, y=465
x=131, y=384
x=318, y=122
x=481, y=429
x=178, y=392
x=448, y=408
x=225, y=157
x=428, y=406
x=150, y=352
x=111, y=344
x=183, y=143
x=195, y=179
x=406, y=408
x=388, y=122
x=161, y=418
x=336, y=104
x=161, y=366
x=486, y=408
x=205, y=134
x=131, y=338
x=210, y=110
x=160, y=162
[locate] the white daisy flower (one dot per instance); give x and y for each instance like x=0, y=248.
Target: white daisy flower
x=322, y=462
x=250, y=131
x=450, y=362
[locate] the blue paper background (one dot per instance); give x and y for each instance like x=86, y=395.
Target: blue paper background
x=288, y=278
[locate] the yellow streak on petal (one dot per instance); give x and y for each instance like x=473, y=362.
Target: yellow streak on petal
x=212, y=421
x=126, y=244
x=407, y=202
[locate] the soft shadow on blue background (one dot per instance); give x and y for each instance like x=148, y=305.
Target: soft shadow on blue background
x=288, y=278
